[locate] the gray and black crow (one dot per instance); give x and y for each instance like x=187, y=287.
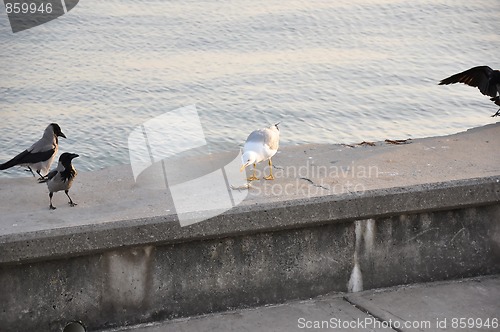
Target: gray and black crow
x=62, y=177
x=40, y=155
x=484, y=78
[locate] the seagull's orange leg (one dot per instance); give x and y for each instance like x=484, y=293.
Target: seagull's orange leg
x=270, y=177
x=253, y=177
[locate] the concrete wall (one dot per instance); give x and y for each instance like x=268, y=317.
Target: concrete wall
x=251, y=257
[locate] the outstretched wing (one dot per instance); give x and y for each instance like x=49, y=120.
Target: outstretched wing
x=477, y=77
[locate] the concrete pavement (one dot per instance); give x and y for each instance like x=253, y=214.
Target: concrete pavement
x=460, y=305
x=301, y=172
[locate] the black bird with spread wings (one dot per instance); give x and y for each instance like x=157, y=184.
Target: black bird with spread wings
x=487, y=80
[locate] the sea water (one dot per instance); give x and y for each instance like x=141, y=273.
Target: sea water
x=340, y=71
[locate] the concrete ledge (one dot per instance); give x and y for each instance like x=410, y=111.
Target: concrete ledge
x=430, y=212
x=265, y=217
x=163, y=281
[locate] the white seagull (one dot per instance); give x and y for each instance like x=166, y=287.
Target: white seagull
x=261, y=145
x=40, y=155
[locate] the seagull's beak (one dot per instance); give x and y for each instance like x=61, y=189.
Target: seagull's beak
x=243, y=167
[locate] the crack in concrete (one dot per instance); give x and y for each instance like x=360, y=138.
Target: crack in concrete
x=421, y=233
x=368, y=312
x=456, y=234
x=314, y=184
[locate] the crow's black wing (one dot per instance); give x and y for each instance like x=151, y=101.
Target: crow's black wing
x=14, y=161
x=48, y=176
x=479, y=77
x=27, y=157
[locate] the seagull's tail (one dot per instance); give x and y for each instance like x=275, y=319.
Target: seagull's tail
x=276, y=124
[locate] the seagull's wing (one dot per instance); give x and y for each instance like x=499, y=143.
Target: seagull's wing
x=266, y=136
x=257, y=136
x=272, y=138
x=477, y=77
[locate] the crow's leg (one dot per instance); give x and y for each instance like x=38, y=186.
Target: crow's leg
x=71, y=203
x=52, y=207
x=40, y=174
x=29, y=169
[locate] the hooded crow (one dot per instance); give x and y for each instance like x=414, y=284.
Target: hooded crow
x=62, y=177
x=40, y=155
x=261, y=144
x=484, y=78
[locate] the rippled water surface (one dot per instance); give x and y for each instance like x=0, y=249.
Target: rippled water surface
x=331, y=71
